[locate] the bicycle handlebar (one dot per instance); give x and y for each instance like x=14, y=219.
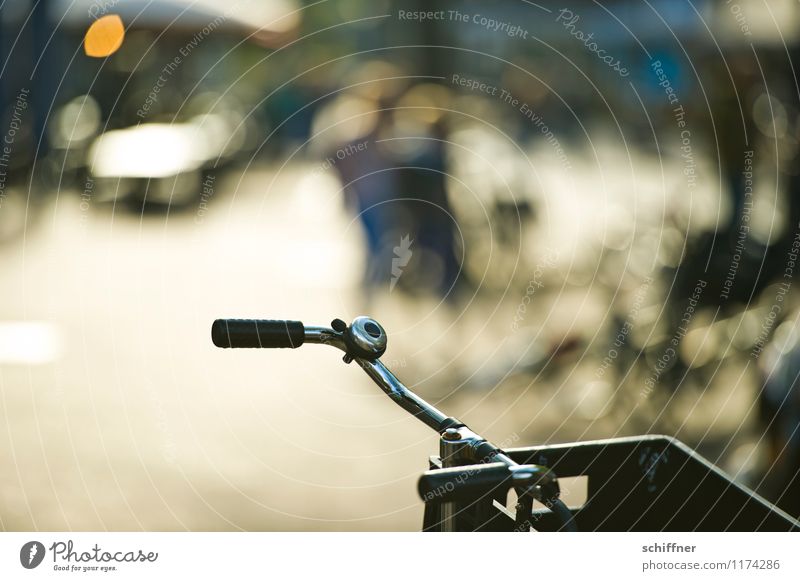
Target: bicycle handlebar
x=471, y=482
x=257, y=333
x=464, y=482
x=364, y=341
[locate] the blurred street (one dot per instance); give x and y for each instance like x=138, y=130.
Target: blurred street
x=135, y=420
x=130, y=419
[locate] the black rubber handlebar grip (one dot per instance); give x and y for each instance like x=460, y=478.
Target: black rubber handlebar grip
x=257, y=333
x=464, y=483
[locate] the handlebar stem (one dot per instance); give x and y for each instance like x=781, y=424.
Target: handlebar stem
x=401, y=395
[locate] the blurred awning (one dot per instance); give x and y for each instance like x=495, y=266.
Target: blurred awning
x=265, y=17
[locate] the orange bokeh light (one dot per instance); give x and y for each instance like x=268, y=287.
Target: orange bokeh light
x=104, y=36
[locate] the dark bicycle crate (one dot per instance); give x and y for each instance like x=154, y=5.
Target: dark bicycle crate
x=650, y=483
